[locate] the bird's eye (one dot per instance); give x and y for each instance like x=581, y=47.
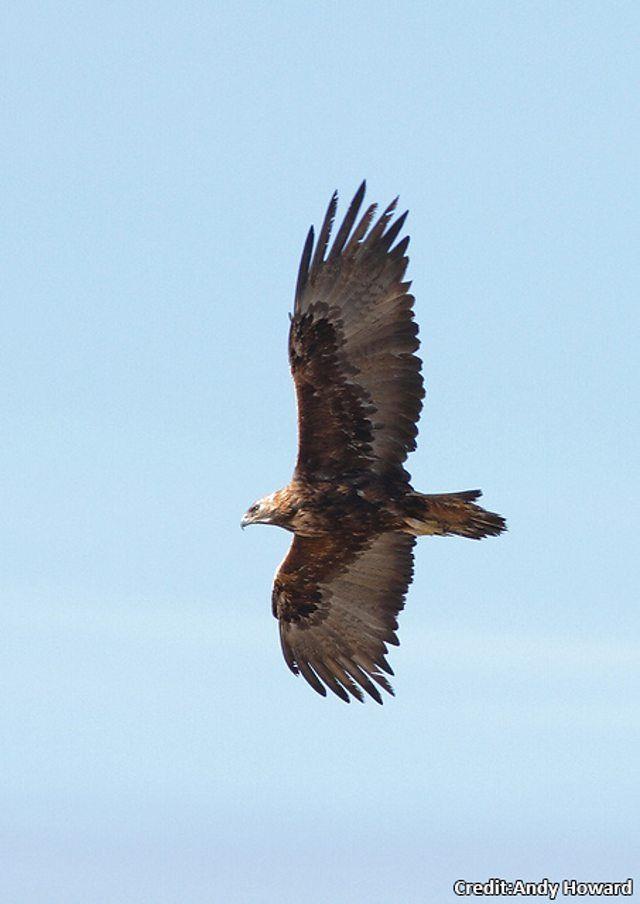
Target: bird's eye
x=253, y=509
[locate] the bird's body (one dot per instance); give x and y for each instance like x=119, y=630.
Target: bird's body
x=350, y=505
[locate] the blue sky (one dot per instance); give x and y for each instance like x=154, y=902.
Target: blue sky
x=162, y=164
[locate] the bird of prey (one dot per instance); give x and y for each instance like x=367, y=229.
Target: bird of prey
x=350, y=504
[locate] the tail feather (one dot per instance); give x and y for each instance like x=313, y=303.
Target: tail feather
x=452, y=513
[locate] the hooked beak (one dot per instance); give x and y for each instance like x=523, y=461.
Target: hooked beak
x=246, y=520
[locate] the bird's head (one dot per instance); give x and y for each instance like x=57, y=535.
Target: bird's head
x=264, y=511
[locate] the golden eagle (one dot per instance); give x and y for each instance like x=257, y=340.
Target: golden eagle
x=350, y=505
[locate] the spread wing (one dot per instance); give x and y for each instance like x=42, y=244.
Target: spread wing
x=351, y=346
x=336, y=599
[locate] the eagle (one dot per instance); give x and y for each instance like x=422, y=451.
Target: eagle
x=350, y=505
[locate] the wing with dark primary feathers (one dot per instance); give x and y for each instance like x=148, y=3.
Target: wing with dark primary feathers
x=337, y=599
x=351, y=346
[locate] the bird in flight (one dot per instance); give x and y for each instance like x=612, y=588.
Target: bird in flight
x=350, y=504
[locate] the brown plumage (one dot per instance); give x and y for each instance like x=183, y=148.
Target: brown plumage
x=350, y=504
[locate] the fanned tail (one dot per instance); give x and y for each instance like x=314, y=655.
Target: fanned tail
x=451, y=513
